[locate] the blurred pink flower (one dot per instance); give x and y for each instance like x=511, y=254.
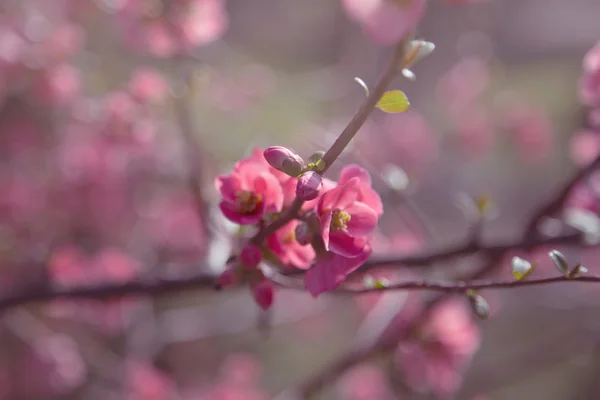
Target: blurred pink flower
x=532, y=132
x=345, y=221
x=56, y=364
x=248, y=192
x=283, y=244
x=145, y=382
x=442, y=349
x=166, y=28
x=476, y=132
x=459, y=88
x=590, y=80
x=585, y=147
x=366, y=382
x=386, y=21
x=148, y=85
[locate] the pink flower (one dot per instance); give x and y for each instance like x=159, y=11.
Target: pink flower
x=331, y=269
x=345, y=221
x=284, y=245
x=249, y=192
x=386, y=21
x=366, y=194
x=446, y=345
x=590, y=81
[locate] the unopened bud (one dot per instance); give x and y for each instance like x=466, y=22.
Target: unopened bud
x=479, y=305
x=284, y=160
x=520, y=268
x=309, y=185
x=250, y=257
x=578, y=271
x=263, y=293
x=560, y=262
x=229, y=277
x=303, y=234
x=415, y=51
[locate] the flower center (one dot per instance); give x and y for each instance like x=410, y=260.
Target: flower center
x=247, y=201
x=289, y=238
x=339, y=220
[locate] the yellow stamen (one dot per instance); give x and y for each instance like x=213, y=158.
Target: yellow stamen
x=340, y=219
x=247, y=201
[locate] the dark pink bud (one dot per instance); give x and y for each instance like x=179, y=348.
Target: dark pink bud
x=303, y=234
x=250, y=257
x=309, y=185
x=284, y=160
x=263, y=293
x=229, y=277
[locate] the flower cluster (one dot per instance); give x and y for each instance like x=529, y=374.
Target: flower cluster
x=167, y=28
x=330, y=236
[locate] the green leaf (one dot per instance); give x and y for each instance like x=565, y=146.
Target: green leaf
x=393, y=101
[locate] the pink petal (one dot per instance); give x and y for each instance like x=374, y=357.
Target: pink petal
x=345, y=245
x=227, y=185
x=371, y=198
x=352, y=171
x=331, y=270
x=232, y=213
x=269, y=187
x=363, y=219
x=339, y=197
x=325, y=221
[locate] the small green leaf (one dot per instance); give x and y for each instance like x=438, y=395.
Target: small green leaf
x=394, y=101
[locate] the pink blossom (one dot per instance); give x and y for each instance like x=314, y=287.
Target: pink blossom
x=386, y=21
x=284, y=245
x=345, y=221
x=331, y=269
x=249, y=192
x=441, y=350
x=366, y=194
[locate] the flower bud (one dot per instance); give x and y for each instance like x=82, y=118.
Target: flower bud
x=263, y=293
x=309, y=185
x=561, y=263
x=479, y=305
x=303, y=233
x=578, y=271
x=520, y=268
x=250, y=257
x=229, y=277
x=284, y=160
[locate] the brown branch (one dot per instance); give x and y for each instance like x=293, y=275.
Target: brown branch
x=156, y=287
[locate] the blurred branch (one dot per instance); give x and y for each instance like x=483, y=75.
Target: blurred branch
x=390, y=337
x=193, y=154
x=556, y=203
